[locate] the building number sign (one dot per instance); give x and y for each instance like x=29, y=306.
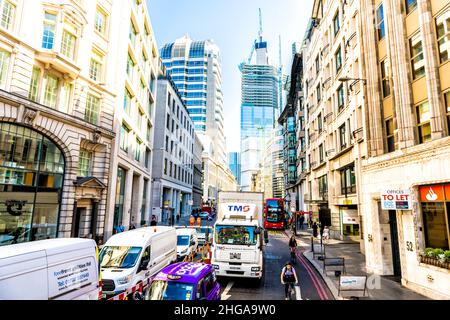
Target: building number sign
x=409, y=246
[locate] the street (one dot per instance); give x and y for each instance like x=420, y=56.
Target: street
x=312, y=286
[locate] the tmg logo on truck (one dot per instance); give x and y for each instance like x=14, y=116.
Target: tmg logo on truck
x=239, y=208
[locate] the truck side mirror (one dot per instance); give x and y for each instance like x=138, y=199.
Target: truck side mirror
x=266, y=236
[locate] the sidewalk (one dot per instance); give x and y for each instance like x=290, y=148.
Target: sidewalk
x=355, y=266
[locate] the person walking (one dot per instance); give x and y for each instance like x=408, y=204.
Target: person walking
x=132, y=227
x=326, y=233
x=302, y=221
x=153, y=222
x=120, y=228
x=192, y=221
x=315, y=227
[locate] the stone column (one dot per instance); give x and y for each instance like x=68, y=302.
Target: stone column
x=438, y=114
x=127, y=199
x=94, y=218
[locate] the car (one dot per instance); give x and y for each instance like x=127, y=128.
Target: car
x=204, y=215
x=201, y=232
x=185, y=281
x=187, y=242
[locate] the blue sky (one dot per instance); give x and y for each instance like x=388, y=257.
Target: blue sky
x=233, y=25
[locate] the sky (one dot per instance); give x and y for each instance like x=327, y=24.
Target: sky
x=233, y=25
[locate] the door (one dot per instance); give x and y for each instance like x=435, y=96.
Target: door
x=394, y=243
x=79, y=214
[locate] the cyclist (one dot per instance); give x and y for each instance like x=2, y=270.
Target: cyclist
x=292, y=247
x=288, y=278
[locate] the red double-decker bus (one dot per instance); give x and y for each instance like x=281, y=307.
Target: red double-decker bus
x=274, y=214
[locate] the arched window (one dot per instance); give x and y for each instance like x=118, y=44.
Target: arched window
x=31, y=182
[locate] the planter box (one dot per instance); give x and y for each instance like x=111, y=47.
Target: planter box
x=434, y=262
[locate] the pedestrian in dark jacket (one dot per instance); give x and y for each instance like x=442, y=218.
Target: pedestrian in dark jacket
x=315, y=227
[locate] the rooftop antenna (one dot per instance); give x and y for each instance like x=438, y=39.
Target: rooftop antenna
x=260, y=25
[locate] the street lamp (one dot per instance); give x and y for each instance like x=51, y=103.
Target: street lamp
x=355, y=80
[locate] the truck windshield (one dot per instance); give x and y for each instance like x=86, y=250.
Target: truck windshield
x=170, y=290
x=119, y=257
x=182, y=240
x=236, y=235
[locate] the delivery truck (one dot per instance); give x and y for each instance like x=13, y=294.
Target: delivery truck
x=239, y=237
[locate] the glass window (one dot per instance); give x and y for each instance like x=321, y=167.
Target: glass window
x=130, y=67
x=96, y=67
x=436, y=226
x=336, y=23
x=423, y=122
x=92, y=109
x=235, y=235
x=133, y=33
x=319, y=93
x=380, y=23
x=384, y=79
x=51, y=91
x=31, y=177
x=323, y=186
x=411, y=5
x=68, y=44
x=4, y=66
x=443, y=35
x=100, y=21
x=127, y=101
x=447, y=106
x=7, y=10
x=34, y=84
x=417, y=58
x=48, y=38
x=321, y=153
x=340, y=97
x=338, y=59
x=66, y=95
x=138, y=150
x=348, y=180
x=119, y=257
x=171, y=290
x=319, y=123
x=390, y=139
x=342, y=137
x=120, y=195
x=84, y=163
x=124, y=132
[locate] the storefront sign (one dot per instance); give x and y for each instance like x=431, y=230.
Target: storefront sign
x=395, y=199
x=350, y=217
x=433, y=193
x=347, y=202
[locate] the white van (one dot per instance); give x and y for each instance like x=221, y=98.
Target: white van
x=187, y=242
x=55, y=269
x=131, y=257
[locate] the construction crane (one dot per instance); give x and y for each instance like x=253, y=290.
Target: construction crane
x=260, y=32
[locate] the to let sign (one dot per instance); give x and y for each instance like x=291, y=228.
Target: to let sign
x=394, y=199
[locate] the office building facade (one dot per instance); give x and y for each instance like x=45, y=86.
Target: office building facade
x=234, y=162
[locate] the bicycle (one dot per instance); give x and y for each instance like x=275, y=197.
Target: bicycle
x=291, y=290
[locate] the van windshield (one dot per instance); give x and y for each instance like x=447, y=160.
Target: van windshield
x=183, y=241
x=170, y=290
x=119, y=257
x=236, y=235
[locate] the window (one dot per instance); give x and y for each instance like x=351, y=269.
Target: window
x=127, y=101
x=338, y=59
x=384, y=79
x=165, y=166
x=95, y=67
x=447, y=105
x=92, y=109
x=317, y=64
x=100, y=21
x=411, y=5
x=34, y=84
x=323, y=186
x=443, y=35
x=417, y=59
x=342, y=137
x=68, y=44
x=168, y=122
x=380, y=23
x=336, y=23
x=66, y=94
x=138, y=150
x=4, y=66
x=130, y=67
x=140, y=119
x=348, y=180
x=133, y=33
x=423, y=122
x=51, y=91
x=321, y=153
x=7, y=10
x=147, y=158
x=319, y=94
x=319, y=123
x=48, y=37
x=124, y=133
x=84, y=163
x=340, y=97
x=390, y=140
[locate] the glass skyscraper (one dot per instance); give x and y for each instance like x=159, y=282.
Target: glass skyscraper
x=259, y=109
x=234, y=162
x=195, y=68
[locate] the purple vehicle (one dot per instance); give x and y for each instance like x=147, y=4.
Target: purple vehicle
x=185, y=281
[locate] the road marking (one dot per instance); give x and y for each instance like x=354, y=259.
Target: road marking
x=225, y=295
x=298, y=293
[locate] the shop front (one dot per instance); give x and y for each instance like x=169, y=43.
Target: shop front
x=31, y=182
x=349, y=222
